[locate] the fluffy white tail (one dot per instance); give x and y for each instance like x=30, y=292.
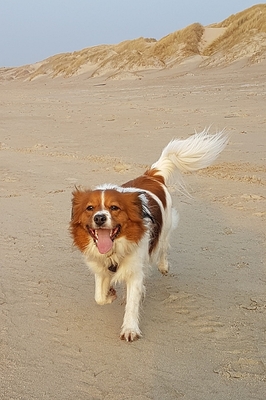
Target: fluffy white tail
x=197, y=152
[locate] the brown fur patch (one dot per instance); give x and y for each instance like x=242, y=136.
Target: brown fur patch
x=153, y=182
x=150, y=181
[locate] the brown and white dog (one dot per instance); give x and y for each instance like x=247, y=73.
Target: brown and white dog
x=121, y=230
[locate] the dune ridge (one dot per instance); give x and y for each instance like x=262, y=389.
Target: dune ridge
x=242, y=36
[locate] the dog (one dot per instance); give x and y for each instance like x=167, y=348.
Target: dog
x=122, y=230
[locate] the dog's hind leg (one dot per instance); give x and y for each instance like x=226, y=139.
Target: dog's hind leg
x=163, y=265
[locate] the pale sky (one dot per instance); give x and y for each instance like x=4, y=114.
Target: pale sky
x=32, y=30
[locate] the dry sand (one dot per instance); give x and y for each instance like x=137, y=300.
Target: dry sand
x=204, y=324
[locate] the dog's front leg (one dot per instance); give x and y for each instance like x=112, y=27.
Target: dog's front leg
x=104, y=294
x=130, y=328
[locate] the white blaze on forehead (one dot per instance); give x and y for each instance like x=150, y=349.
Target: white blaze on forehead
x=104, y=211
x=102, y=200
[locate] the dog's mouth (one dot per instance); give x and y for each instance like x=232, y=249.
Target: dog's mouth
x=103, y=238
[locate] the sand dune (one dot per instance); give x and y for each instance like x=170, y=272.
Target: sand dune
x=241, y=36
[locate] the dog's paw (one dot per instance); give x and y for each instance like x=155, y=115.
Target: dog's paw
x=163, y=270
x=108, y=299
x=164, y=267
x=130, y=335
x=111, y=296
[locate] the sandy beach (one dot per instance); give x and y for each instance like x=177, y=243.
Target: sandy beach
x=204, y=324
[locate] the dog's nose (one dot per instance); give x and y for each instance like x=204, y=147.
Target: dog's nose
x=100, y=219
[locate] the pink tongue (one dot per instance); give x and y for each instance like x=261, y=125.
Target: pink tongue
x=104, y=242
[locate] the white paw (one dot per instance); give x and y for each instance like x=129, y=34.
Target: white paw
x=130, y=334
x=163, y=268
x=111, y=296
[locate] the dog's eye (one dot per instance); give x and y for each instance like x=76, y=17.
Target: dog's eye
x=89, y=208
x=114, y=208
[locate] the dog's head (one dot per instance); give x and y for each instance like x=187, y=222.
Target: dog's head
x=104, y=216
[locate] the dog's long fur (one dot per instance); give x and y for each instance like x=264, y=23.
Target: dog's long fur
x=123, y=229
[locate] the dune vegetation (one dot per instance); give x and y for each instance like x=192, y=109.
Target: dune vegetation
x=241, y=36
x=245, y=34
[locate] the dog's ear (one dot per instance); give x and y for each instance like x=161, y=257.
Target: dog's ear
x=79, y=198
x=75, y=201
